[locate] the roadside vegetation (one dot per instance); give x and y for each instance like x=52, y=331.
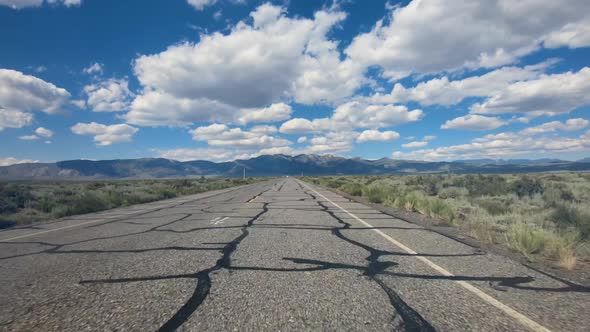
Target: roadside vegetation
x=25, y=202
x=538, y=215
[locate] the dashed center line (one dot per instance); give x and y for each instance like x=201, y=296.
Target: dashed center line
x=218, y=220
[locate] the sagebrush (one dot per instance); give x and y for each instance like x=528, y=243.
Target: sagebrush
x=24, y=202
x=544, y=214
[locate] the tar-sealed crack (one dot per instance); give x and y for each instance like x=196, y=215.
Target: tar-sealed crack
x=412, y=320
x=204, y=279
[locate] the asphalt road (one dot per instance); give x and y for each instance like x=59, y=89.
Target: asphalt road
x=277, y=255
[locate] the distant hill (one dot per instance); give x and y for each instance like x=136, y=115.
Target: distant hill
x=512, y=161
x=275, y=165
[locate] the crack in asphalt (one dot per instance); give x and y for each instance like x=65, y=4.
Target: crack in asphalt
x=203, y=277
x=411, y=320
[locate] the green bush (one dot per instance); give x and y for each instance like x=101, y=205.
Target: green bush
x=354, y=189
x=377, y=193
x=569, y=215
x=556, y=194
x=14, y=197
x=437, y=208
x=494, y=206
x=452, y=192
x=87, y=203
x=526, y=239
x=335, y=183
x=481, y=185
x=527, y=186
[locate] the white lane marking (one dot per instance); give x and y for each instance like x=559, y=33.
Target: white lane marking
x=524, y=320
x=70, y=226
x=107, y=219
x=51, y=230
x=218, y=220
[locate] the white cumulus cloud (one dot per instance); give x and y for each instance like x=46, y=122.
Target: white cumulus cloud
x=95, y=68
x=509, y=144
x=352, y=115
x=220, y=135
x=474, y=122
x=548, y=95
x=44, y=132
x=105, y=135
x=14, y=119
x=201, y=4
x=271, y=60
x=273, y=113
x=377, y=136
x=25, y=93
x=553, y=126
x=415, y=144
x=196, y=154
x=18, y=4
x=446, y=92
x=110, y=95
x=13, y=161
x=468, y=34
x=28, y=137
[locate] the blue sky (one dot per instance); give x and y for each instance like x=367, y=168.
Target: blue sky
x=227, y=79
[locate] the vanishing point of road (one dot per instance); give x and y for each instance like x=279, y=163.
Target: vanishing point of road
x=278, y=255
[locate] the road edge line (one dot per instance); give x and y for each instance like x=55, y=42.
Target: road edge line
x=524, y=320
x=224, y=191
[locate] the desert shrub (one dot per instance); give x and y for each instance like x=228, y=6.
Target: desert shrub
x=165, y=193
x=430, y=188
x=539, y=214
x=378, y=193
x=95, y=185
x=527, y=186
x=437, y=208
x=14, y=197
x=453, y=192
x=115, y=198
x=531, y=239
x=413, y=202
x=482, y=226
x=458, y=181
x=571, y=215
x=59, y=210
x=482, y=185
x=44, y=204
x=33, y=201
x=87, y=203
x=335, y=183
x=494, y=206
x=526, y=239
x=370, y=180
x=182, y=184
x=354, y=189
x=557, y=193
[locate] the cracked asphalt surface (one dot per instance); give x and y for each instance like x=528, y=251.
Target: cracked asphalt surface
x=275, y=255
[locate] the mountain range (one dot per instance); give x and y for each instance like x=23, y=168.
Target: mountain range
x=274, y=165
